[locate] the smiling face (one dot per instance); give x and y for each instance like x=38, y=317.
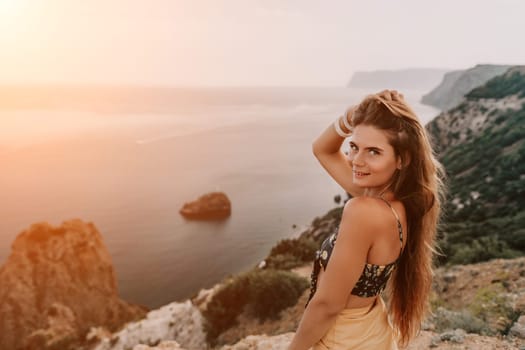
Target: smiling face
x=372, y=158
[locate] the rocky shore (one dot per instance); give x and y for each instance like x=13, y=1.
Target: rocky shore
x=56, y=284
x=58, y=291
x=463, y=318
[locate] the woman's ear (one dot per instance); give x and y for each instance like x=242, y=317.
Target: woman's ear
x=401, y=163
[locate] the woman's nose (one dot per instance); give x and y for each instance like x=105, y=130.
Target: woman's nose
x=357, y=158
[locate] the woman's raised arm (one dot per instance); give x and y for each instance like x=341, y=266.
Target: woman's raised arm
x=327, y=150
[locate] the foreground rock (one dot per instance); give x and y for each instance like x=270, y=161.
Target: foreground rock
x=482, y=296
x=56, y=284
x=165, y=345
x=456, y=287
x=426, y=340
x=487, y=297
x=262, y=342
x=178, y=325
x=211, y=206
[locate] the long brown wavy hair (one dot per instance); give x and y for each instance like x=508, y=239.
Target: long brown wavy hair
x=419, y=186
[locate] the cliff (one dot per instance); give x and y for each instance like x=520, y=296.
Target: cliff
x=456, y=84
x=476, y=306
x=57, y=283
x=481, y=144
x=421, y=79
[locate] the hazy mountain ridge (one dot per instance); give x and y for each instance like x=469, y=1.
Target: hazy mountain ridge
x=481, y=144
x=452, y=89
x=412, y=78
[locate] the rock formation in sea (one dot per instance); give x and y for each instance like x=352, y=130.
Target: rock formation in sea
x=56, y=284
x=211, y=206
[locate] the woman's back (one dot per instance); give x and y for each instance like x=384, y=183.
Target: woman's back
x=389, y=237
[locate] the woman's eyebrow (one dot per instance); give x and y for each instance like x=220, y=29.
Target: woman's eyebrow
x=374, y=149
x=369, y=148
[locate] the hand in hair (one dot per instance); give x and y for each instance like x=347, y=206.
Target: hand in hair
x=391, y=95
x=389, y=98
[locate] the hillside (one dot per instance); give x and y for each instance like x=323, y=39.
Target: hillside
x=475, y=306
x=456, y=84
x=481, y=143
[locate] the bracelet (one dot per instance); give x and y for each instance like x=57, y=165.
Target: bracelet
x=340, y=131
x=345, y=121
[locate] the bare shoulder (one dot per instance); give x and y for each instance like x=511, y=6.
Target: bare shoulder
x=363, y=212
x=363, y=205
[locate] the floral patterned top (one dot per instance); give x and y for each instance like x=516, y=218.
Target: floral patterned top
x=373, y=279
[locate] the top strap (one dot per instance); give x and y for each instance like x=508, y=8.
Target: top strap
x=399, y=226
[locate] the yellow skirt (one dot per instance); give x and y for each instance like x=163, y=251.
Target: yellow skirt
x=366, y=328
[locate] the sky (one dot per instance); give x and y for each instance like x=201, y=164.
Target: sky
x=249, y=42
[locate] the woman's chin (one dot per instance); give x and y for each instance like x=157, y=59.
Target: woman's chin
x=360, y=181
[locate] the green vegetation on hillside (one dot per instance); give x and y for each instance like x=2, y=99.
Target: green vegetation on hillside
x=501, y=86
x=294, y=252
x=485, y=214
x=261, y=293
x=485, y=210
x=290, y=253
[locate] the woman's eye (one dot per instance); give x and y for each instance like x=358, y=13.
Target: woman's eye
x=373, y=152
x=353, y=147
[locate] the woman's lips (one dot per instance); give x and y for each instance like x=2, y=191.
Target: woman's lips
x=360, y=173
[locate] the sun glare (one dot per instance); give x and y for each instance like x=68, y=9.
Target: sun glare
x=8, y=7
x=10, y=12
x=13, y=19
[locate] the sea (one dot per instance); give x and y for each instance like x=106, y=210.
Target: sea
x=128, y=165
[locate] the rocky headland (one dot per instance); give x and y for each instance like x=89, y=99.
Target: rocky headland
x=56, y=284
x=481, y=144
x=456, y=84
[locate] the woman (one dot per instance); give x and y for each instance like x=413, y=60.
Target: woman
x=386, y=233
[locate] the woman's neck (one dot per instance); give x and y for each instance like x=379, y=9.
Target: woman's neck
x=384, y=193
